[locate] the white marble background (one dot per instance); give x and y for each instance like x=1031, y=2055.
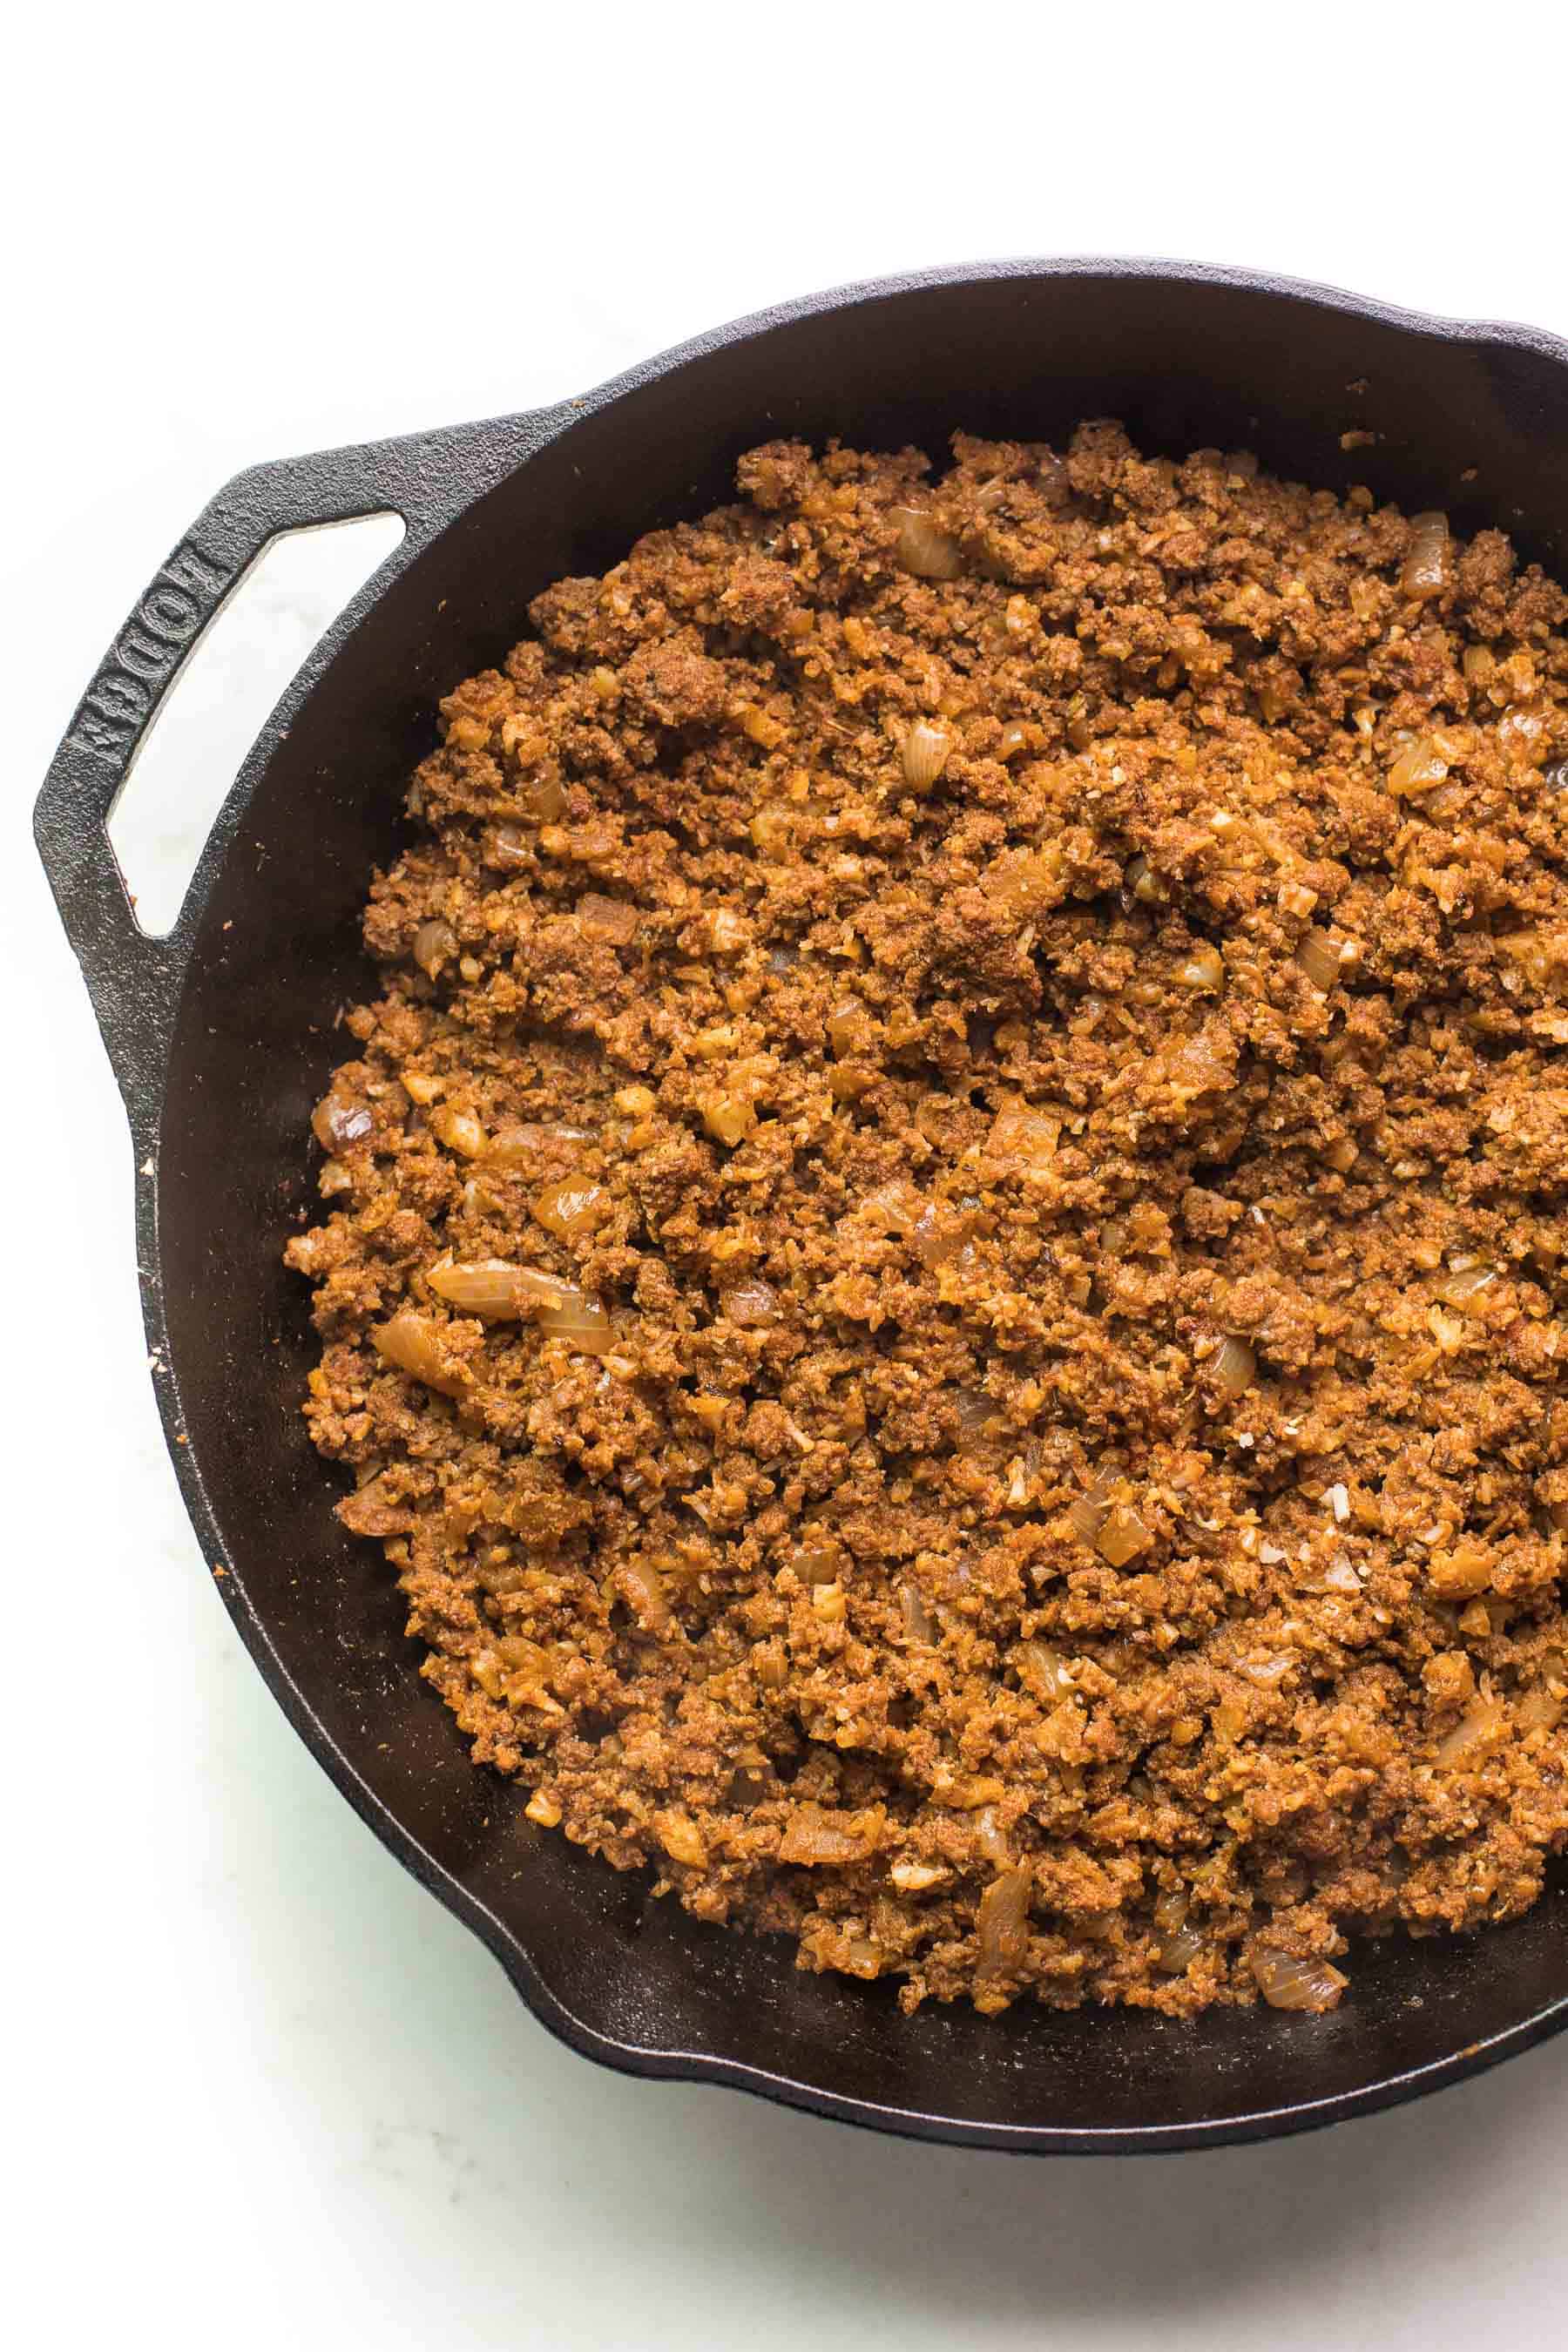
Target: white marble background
x=258, y=2088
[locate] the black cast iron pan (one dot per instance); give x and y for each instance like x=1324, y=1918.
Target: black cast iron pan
x=221, y=1036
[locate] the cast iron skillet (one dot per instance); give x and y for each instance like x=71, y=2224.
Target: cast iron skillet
x=221, y=1036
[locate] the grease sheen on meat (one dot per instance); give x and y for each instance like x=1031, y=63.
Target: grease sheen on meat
x=943, y=1263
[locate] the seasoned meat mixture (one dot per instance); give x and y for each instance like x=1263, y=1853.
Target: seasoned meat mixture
x=943, y=1265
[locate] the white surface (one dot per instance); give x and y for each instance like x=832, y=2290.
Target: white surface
x=259, y=2088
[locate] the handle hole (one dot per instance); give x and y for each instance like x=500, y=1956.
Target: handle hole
x=184, y=768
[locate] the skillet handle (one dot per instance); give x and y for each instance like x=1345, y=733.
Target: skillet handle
x=134, y=981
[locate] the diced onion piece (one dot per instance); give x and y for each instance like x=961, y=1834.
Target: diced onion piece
x=1426, y=570
x=820, y=1562
x=1022, y=1135
x=1088, y=1514
x=641, y=1587
x=1538, y=1710
x=728, y=1118
x=847, y=1025
x=1171, y=1908
x=1419, y=768
x=1479, y=1730
x=435, y=943
x=608, y=918
x=489, y=1286
x=336, y=1122
x=459, y=1130
x=752, y=1303
x=991, y=1838
x=1044, y=1672
x=1269, y=1669
x=495, y=1289
x=518, y=1142
x=1479, y=664
x=412, y=1343
x=922, y=548
x=1234, y=1366
x=1179, y=1949
x=937, y=1238
x=916, y=1877
x=1522, y=734
x=681, y=1838
x=925, y=754
x=918, y=1625
x=817, y=1839
x=570, y=1206
x=1002, y=1922
x=581, y=1321
x=974, y=1411
x=1203, y=968
x=1122, y=1536
x=1319, y=959
x=1288, y=1982
x=1456, y=1289
x=544, y=798
x=894, y=1208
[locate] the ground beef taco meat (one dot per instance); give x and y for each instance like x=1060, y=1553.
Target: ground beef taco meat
x=943, y=1263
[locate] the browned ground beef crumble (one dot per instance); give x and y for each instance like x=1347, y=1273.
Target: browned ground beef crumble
x=946, y=1249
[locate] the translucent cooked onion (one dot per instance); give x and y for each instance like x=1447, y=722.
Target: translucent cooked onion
x=1319, y=959
x=413, y=1344
x=1538, y=1710
x=581, y=1321
x=1021, y=1134
x=1203, y=968
x=1002, y=1922
x=1122, y=1536
x=1420, y=767
x=1268, y=1670
x=974, y=1411
x=641, y=1587
x=1180, y=1948
x=608, y=918
x=919, y=1623
x=1234, y=1366
x=1088, y=1514
x=819, y=1839
x=1479, y=1730
x=336, y=1122
x=1522, y=734
x=1426, y=569
x=495, y=1289
x=1044, y=1672
x=925, y=754
x=570, y=1206
x=937, y=1238
x=489, y=1287
x=1288, y=1982
x=435, y=943
x=895, y=1208
x=922, y=548
x=752, y=1303
x=518, y=1142
x=991, y=1838
x=1458, y=1289
x=459, y=1130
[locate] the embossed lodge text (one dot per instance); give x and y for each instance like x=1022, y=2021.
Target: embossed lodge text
x=150, y=646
